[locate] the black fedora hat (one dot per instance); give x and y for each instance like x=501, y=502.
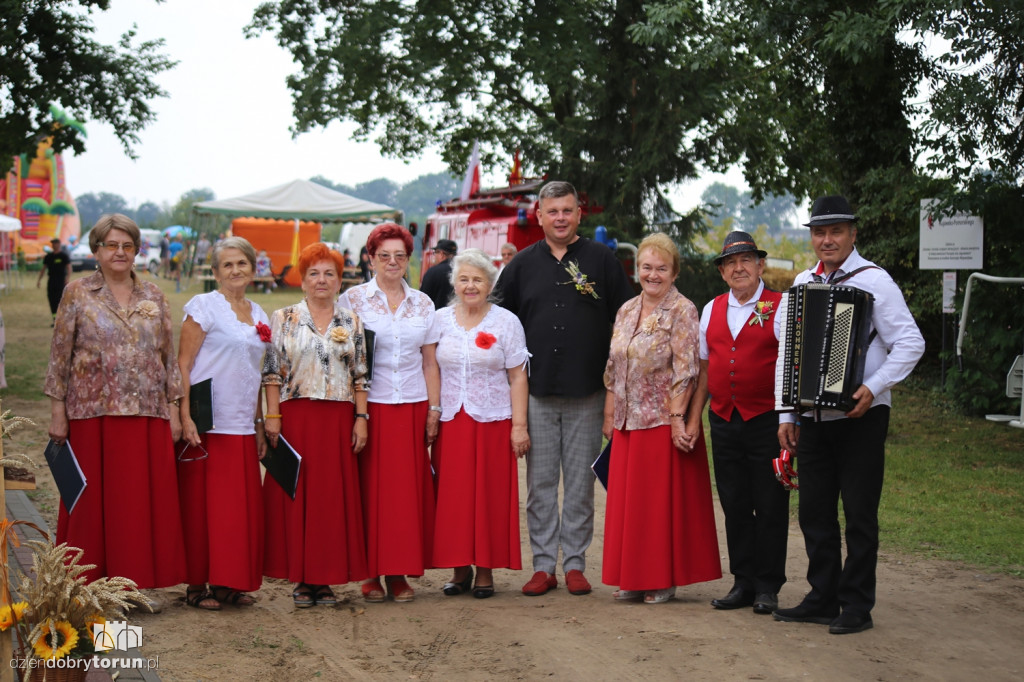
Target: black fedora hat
x=738, y=242
x=448, y=246
x=830, y=210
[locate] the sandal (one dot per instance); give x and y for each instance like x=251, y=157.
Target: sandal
x=659, y=596
x=302, y=596
x=325, y=596
x=372, y=591
x=456, y=588
x=200, y=598
x=628, y=595
x=399, y=589
x=226, y=595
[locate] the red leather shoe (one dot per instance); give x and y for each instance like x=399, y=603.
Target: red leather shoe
x=540, y=583
x=576, y=582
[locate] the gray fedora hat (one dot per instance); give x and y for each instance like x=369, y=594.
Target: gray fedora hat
x=830, y=210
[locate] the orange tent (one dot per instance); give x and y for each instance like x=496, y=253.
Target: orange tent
x=278, y=239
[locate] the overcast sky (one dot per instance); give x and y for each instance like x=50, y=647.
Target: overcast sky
x=225, y=124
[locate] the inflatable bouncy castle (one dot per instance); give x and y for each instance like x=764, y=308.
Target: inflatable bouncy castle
x=34, y=191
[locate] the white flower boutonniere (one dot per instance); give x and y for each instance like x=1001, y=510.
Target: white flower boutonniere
x=339, y=335
x=650, y=324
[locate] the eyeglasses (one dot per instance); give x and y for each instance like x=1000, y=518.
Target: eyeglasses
x=399, y=257
x=112, y=247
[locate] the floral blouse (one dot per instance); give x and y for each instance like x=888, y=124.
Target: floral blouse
x=109, y=360
x=400, y=337
x=651, y=361
x=307, y=365
x=473, y=364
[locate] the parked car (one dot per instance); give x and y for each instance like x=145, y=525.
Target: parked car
x=148, y=257
x=82, y=258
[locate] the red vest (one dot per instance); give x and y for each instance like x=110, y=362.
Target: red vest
x=741, y=371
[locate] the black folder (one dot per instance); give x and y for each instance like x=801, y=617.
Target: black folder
x=200, y=405
x=370, y=337
x=600, y=465
x=67, y=474
x=283, y=464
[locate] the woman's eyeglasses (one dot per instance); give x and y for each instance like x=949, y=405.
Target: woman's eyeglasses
x=112, y=247
x=385, y=257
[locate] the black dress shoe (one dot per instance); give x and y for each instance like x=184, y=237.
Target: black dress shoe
x=805, y=613
x=765, y=602
x=737, y=598
x=849, y=623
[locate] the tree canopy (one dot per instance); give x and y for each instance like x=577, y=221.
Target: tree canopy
x=48, y=57
x=566, y=82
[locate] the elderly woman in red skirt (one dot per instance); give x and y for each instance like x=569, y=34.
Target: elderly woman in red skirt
x=405, y=398
x=314, y=375
x=484, y=397
x=114, y=389
x=659, y=528
x=223, y=339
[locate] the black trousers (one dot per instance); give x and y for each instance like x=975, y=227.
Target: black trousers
x=756, y=506
x=842, y=459
x=54, y=292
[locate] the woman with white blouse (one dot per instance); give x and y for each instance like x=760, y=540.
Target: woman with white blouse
x=482, y=358
x=404, y=404
x=223, y=339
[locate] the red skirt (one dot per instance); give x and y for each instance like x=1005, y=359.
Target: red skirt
x=222, y=512
x=127, y=520
x=477, y=520
x=659, y=528
x=317, y=538
x=397, y=488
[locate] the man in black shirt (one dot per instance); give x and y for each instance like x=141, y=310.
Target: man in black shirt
x=57, y=266
x=437, y=281
x=565, y=289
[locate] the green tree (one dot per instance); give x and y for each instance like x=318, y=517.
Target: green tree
x=568, y=83
x=48, y=56
x=91, y=206
x=418, y=198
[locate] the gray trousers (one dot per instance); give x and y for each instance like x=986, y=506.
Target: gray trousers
x=565, y=439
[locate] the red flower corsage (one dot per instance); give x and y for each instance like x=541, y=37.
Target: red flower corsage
x=485, y=340
x=264, y=332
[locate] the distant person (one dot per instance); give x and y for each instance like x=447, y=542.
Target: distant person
x=165, y=256
x=264, y=268
x=349, y=263
x=177, y=252
x=437, y=281
x=365, y=269
x=202, y=250
x=508, y=252
x=57, y=267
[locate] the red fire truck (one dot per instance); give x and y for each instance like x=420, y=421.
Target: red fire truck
x=493, y=217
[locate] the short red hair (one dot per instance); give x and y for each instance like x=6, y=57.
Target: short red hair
x=386, y=231
x=314, y=253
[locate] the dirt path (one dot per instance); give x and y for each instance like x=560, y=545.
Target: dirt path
x=934, y=621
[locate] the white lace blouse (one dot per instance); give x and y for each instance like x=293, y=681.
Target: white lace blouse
x=397, y=355
x=231, y=355
x=473, y=363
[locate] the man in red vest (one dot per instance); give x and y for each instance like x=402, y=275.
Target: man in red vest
x=738, y=349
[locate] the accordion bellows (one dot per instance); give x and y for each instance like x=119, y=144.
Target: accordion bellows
x=823, y=341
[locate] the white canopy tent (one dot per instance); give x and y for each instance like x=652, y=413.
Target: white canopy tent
x=8, y=259
x=299, y=200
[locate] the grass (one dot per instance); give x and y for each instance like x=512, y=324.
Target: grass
x=954, y=486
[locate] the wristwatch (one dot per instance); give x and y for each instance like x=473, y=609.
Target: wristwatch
x=363, y=415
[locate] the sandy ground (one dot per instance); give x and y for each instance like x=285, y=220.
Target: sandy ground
x=934, y=621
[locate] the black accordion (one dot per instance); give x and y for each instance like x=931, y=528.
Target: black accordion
x=823, y=341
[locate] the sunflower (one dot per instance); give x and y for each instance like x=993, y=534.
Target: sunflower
x=95, y=619
x=64, y=637
x=6, y=617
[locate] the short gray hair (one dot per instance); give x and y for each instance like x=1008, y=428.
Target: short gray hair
x=239, y=243
x=479, y=260
x=556, y=190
